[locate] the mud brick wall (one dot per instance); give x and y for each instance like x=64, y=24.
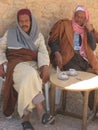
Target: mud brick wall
x=47, y=12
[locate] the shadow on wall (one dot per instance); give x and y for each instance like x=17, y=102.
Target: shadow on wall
x=47, y=27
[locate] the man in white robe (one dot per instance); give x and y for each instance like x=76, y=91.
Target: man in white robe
x=24, y=52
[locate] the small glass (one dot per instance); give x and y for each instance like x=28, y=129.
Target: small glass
x=58, y=69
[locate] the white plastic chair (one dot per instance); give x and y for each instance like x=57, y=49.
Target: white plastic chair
x=58, y=93
x=47, y=86
x=57, y=99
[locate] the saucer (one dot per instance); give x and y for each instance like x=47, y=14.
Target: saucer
x=72, y=72
x=63, y=76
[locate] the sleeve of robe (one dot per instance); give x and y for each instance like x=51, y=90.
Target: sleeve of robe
x=43, y=56
x=3, y=47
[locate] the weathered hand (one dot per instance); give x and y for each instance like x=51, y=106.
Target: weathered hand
x=58, y=59
x=89, y=26
x=2, y=73
x=44, y=73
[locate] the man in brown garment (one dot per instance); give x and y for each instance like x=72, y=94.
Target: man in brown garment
x=72, y=44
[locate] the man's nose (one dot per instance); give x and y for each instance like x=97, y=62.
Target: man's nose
x=23, y=23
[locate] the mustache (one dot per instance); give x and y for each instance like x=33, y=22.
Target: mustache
x=24, y=26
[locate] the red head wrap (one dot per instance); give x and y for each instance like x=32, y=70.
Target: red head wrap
x=24, y=11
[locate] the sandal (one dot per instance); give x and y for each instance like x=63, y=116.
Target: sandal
x=47, y=119
x=27, y=125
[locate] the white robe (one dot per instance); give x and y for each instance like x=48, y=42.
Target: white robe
x=27, y=81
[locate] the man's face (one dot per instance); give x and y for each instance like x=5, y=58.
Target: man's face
x=80, y=18
x=24, y=22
